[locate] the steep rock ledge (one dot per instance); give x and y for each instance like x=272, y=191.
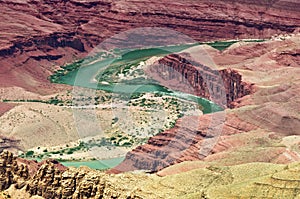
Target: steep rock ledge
x=192, y=138
x=258, y=180
x=222, y=87
x=54, y=41
x=7, y=143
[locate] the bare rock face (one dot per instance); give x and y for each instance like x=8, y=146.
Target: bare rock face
x=4, y=107
x=45, y=182
x=7, y=143
x=204, y=81
x=185, y=140
x=71, y=184
x=258, y=180
x=34, y=166
x=48, y=181
x=282, y=183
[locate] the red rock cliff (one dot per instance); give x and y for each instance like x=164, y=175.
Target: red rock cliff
x=221, y=86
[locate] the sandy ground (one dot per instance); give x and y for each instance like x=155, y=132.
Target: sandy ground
x=39, y=124
x=42, y=126
x=98, y=153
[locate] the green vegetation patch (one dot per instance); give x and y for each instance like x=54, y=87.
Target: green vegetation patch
x=222, y=45
x=57, y=76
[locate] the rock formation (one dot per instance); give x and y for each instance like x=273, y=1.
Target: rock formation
x=34, y=166
x=283, y=183
x=38, y=35
x=203, y=80
x=11, y=172
x=9, y=144
x=4, y=107
x=50, y=182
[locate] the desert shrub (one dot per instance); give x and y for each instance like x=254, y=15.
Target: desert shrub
x=127, y=144
x=29, y=153
x=70, y=152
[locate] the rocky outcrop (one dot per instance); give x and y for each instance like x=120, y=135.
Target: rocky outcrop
x=282, y=183
x=289, y=58
x=289, y=179
x=48, y=181
x=253, y=180
x=11, y=173
x=34, y=166
x=203, y=81
x=51, y=182
x=54, y=40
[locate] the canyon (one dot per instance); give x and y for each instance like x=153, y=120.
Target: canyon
x=249, y=150
x=42, y=34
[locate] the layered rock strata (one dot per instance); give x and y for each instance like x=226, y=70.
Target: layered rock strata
x=192, y=138
x=38, y=34
x=220, y=86
x=11, y=144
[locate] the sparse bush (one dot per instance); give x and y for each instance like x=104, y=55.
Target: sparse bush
x=29, y=153
x=70, y=152
x=127, y=144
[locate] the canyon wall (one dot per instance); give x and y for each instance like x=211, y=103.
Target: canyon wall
x=220, y=86
x=37, y=34
x=266, y=116
x=11, y=144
